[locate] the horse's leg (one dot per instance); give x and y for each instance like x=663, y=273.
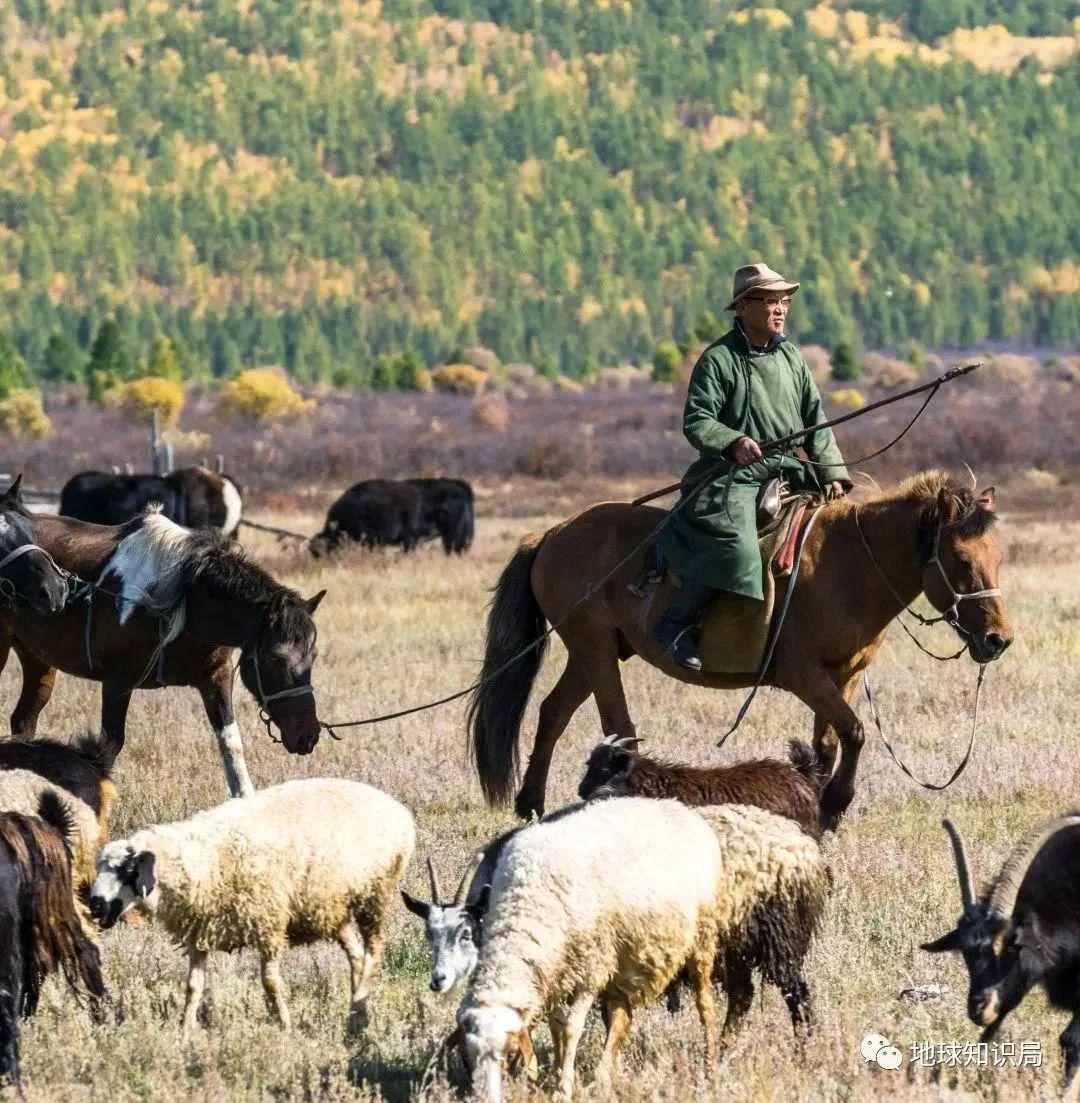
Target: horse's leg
x=217, y=700
x=38, y=680
x=556, y=711
x=115, y=700
x=826, y=741
x=820, y=693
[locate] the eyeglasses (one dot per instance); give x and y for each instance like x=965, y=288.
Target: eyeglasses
x=784, y=302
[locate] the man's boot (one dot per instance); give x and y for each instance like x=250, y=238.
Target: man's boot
x=676, y=631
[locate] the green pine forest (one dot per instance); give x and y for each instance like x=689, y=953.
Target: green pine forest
x=320, y=183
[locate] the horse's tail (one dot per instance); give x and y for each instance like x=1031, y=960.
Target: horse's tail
x=498, y=703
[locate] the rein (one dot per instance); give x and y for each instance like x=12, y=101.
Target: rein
x=7, y=588
x=971, y=738
x=950, y=616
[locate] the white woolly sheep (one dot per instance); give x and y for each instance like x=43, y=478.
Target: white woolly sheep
x=609, y=901
x=770, y=899
x=294, y=864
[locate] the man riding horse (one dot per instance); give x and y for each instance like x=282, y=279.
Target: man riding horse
x=751, y=385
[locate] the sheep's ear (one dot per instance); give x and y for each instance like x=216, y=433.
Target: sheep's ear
x=950, y=941
x=988, y=500
x=144, y=874
x=417, y=907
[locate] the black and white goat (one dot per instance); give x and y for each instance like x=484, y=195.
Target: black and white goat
x=1023, y=931
x=454, y=930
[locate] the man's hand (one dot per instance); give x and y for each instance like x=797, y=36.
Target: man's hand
x=833, y=491
x=745, y=451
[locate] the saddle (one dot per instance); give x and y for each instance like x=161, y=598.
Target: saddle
x=734, y=629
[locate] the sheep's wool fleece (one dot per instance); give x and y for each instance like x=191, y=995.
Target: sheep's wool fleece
x=765, y=856
x=21, y=791
x=619, y=891
x=286, y=866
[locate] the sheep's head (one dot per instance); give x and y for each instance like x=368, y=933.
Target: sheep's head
x=1001, y=950
x=608, y=766
x=489, y=1037
x=125, y=877
x=454, y=931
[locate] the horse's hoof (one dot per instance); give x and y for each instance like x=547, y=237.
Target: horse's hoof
x=526, y=810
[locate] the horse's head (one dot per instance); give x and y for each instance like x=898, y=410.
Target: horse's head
x=27, y=572
x=276, y=668
x=963, y=557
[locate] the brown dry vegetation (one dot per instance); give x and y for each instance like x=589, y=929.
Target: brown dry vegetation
x=399, y=630
x=629, y=434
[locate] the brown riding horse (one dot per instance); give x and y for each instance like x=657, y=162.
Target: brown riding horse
x=170, y=606
x=861, y=564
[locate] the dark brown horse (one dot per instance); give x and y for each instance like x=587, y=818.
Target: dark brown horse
x=169, y=607
x=930, y=535
x=28, y=575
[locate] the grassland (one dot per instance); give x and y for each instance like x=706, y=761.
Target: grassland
x=396, y=631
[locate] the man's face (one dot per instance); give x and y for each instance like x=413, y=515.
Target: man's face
x=763, y=314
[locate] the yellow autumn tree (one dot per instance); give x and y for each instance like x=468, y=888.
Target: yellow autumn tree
x=261, y=394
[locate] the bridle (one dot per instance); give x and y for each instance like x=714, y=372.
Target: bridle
x=7, y=588
x=250, y=653
x=951, y=616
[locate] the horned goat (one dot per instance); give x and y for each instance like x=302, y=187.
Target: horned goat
x=607, y=902
x=793, y=789
x=1022, y=931
x=40, y=929
x=294, y=864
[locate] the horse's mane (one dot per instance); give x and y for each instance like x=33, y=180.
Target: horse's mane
x=182, y=557
x=973, y=518
x=220, y=564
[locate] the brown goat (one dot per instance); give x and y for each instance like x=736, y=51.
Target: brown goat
x=40, y=929
x=792, y=789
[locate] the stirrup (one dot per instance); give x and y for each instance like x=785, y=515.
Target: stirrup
x=684, y=651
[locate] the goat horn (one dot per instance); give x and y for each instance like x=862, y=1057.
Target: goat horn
x=1007, y=886
x=436, y=893
x=974, y=480
x=462, y=893
x=963, y=871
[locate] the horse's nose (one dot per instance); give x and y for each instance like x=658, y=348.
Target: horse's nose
x=996, y=644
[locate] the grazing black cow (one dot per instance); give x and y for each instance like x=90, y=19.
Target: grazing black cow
x=193, y=497
x=400, y=513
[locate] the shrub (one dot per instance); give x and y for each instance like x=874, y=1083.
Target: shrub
x=1065, y=368
x=667, y=359
x=480, y=357
x=403, y=371
x=567, y=385
x=849, y=397
x=261, y=394
x=23, y=416
x=887, y=371
x=491, y=412
x=846, y=363
x=554, y=455
x=459, y=379
x=818, y=361
x=141, y=397
x=1009, y=368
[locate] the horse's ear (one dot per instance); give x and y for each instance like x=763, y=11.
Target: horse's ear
x=13, y=494
x=988, y=500
x=312, y=603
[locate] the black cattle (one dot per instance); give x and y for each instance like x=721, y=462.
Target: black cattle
x=400, y=513
x=192, y=496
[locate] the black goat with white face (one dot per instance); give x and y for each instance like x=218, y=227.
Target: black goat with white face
x=1024, y=930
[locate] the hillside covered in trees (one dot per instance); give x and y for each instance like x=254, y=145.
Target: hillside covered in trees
x=318, y=183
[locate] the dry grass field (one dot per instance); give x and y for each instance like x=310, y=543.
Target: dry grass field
x=400, y=630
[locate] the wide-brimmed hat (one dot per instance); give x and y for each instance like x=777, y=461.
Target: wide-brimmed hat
x=757, y=277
